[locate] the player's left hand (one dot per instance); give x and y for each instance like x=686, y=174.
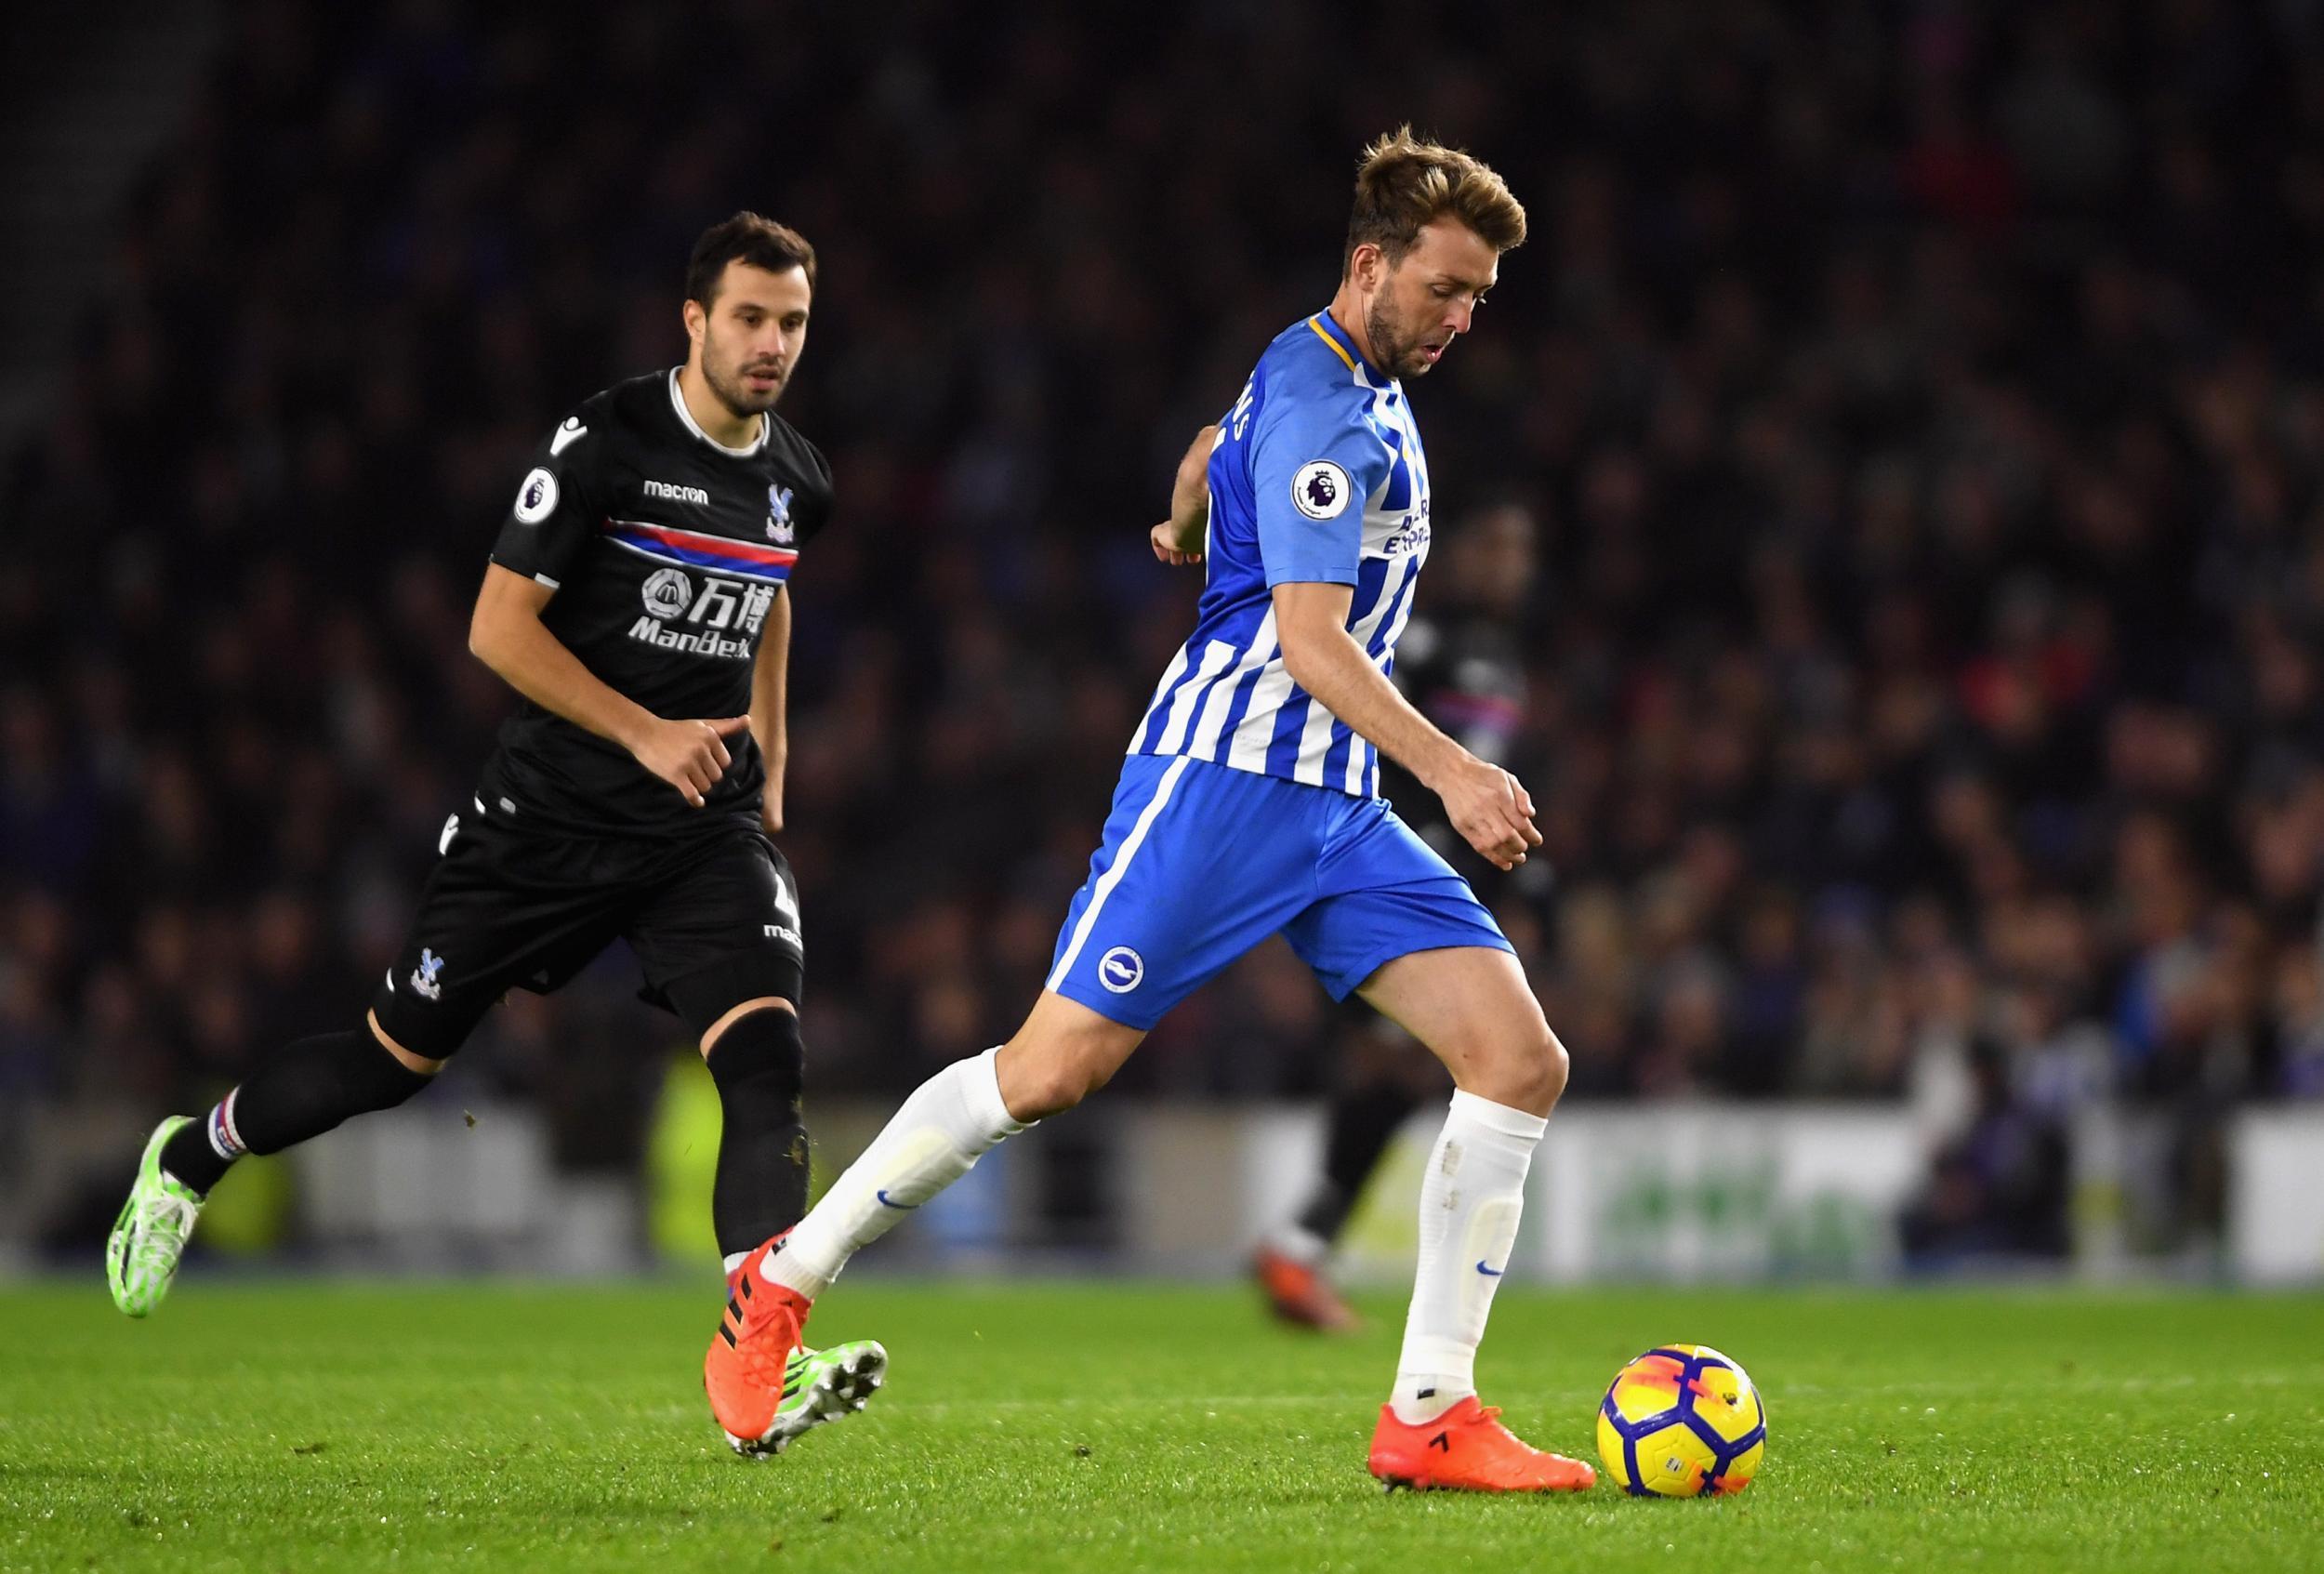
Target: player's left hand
x=1491, y=808
x=771, y=808
x=1164, y=537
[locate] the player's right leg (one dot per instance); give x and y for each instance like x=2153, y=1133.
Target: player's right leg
x=765, y=1386
x=300, y=1091
x=1199, y=864
x=1062, y=1054
x=501, y=906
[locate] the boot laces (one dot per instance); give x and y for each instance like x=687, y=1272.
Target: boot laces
x=766, y=1352
x=168, y=1220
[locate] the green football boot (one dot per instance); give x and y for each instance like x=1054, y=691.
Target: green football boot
x=150, y=1238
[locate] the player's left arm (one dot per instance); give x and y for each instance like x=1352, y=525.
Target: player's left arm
x=1486, y=805
x=769, y=681
x=1179, y=540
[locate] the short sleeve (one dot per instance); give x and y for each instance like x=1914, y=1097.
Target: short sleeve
x=560, y=504
x=817, y=501
x=1314, y=460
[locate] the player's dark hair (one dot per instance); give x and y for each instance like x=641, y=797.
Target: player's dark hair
x=1403, y=183
x=749, y=238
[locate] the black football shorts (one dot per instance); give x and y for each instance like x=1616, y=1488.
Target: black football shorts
x=713, y=917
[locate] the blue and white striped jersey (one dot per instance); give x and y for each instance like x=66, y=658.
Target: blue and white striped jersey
x=1317, y=475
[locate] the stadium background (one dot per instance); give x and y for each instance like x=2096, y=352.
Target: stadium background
x=1919, y=407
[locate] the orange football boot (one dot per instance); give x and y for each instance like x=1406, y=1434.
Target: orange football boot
x=1298, y=1292
x=766, y=1387
x=1468, y=1449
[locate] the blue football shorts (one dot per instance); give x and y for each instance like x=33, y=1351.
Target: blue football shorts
x=1202, y=862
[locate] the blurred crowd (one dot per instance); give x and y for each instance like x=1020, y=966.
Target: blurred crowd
x=1918, y=409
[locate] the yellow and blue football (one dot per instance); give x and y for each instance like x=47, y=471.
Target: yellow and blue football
x=1682, y=1421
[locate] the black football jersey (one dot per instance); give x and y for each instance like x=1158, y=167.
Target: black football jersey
x=666, y=550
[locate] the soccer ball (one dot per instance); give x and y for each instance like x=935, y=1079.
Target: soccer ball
x=1680, y=1421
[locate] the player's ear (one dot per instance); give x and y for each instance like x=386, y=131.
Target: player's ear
x=697, y=320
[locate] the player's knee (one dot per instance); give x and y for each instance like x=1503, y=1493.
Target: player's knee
x=1555, y=1063
x=1049, y=1087
x=714, y=1033
x=761, y=1056
x=1052, y=1078
x=411, y=1059
x=1064, y=1052
x=1527, y=1068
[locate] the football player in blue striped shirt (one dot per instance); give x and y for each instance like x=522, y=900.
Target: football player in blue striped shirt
x=1249, y=805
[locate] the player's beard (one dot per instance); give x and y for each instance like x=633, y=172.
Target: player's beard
x=1399, y=354
x=732, y=392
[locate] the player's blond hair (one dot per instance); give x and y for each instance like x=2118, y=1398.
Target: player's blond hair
x=1404, y=182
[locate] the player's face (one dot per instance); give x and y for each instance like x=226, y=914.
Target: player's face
x=1426, y=302
x=749, y=338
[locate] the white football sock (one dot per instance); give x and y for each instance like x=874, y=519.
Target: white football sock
x=948, y=1124
x=1469, y=1202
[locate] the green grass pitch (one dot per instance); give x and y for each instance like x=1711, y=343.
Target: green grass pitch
x=1124, y=1425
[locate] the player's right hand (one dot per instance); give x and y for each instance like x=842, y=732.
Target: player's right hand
x=1491, y=808
x=1166, y=540
x=689, y=755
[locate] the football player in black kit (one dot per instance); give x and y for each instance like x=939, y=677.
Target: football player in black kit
x=1462, y=665
x=636, y=600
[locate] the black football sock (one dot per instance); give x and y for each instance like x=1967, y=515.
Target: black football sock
x=1363, y=1119
x=302, y=1091
x=759, y=1065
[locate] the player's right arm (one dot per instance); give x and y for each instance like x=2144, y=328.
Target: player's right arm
x=506, y=633
x=1177, y=540
x=557, y=507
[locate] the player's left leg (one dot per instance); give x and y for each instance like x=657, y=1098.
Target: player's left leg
x=1395, y=924
x=765, y=1384
x=757, y=1058
x=720, y=937
x=1470, y=1005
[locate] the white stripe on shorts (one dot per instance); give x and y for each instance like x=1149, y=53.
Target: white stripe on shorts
x=1113, y=877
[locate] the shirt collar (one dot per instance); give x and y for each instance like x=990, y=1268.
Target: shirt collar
x=678, y=403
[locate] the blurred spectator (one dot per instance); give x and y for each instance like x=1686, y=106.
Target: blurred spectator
x=1999, y=1188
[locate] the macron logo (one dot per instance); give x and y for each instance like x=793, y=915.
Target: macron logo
x=694, y=495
